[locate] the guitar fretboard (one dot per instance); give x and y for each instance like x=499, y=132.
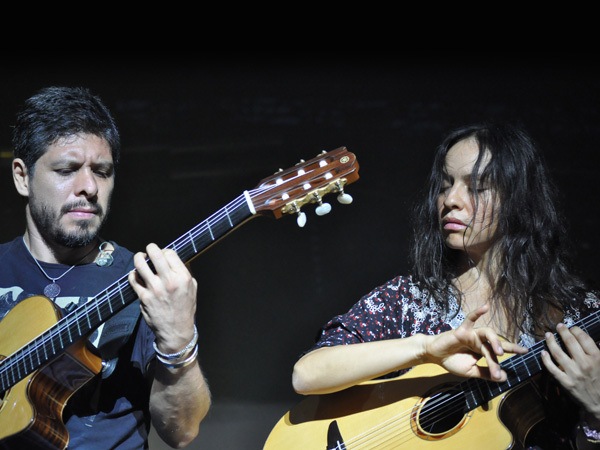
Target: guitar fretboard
x=89, y=316
x=475, y=392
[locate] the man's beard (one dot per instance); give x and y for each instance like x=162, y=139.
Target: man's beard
x=48, y=222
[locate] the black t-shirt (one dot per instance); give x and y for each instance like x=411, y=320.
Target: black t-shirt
x=109, y=411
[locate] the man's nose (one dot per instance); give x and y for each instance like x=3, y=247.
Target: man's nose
x=86, y=183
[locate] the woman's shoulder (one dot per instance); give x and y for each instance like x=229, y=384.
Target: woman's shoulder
x=402, y=289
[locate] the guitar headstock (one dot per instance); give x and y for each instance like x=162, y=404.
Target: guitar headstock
x=287, y=191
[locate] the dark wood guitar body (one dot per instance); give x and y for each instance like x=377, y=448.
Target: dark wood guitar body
x=31, y=411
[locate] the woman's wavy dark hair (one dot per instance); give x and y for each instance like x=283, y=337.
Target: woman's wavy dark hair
x=532, y=277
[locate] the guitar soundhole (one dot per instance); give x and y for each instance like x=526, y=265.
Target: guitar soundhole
x=440, y=415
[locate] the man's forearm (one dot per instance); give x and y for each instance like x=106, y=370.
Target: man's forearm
x=179, y=400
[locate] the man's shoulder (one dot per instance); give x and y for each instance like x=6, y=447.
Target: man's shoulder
x=10, y=246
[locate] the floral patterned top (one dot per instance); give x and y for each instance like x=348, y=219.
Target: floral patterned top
x=402, y=307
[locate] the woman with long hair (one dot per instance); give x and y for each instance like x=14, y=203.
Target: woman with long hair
x=490, y=275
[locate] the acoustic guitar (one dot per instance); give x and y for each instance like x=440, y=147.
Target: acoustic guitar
x=43, y=364
x=426, y=408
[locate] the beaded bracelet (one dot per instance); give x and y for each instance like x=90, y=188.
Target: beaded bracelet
x=171, y=365
x=175, y=356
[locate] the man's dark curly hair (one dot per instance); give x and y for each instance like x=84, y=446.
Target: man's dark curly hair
x=57, y=112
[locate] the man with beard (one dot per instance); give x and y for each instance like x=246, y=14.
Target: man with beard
x=66, y=150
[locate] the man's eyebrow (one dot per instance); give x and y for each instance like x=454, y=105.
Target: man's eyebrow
x=104, y=164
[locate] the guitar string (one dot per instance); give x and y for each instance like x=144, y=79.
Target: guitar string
x=404, y=418
x=399, y=417
x=411, y=434
x=55, y=331
x=590, y=321
x=524, y=355
x=84, y=311
x=432, y=419
x=58, y=331
x=525, y=358
x=456, y=401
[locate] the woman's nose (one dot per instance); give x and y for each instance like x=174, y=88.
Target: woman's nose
x=454, y=197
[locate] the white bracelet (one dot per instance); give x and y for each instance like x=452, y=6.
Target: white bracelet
x=171, y=365
x=180, y=354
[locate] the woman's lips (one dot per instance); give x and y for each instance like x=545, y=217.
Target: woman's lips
x=453, y=224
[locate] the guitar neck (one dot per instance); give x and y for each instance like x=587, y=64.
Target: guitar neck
x=519, y=368
x=89, y=316
x=285, y=192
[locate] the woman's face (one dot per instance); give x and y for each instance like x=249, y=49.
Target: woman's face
x=467, y=218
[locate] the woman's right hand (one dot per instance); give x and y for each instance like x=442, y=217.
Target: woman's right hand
x=458, y=351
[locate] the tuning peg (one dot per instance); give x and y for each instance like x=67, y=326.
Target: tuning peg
x=322, y=209
x=344, y=199
x=301, y=220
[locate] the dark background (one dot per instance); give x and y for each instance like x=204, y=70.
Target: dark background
x=198, y=129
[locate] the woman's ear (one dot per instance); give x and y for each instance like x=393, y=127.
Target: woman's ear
x=20, y=176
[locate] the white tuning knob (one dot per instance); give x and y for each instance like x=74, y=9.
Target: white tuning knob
x=345, y=199
x=301, y=220
x=322, y=209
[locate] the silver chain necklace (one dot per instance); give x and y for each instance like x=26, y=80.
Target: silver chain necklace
x=53, y=289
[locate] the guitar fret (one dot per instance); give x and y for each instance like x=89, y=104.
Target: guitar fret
x=193, y=243
x=210, y=230
x=478, y=384
x=228, y=217
x=527, y=369
x=121, y=294
x=78, y=327
x=518, y=376
x=98, y=310
x=475, y=402
x=38, y=357
x=79, y=322
x=109, y=303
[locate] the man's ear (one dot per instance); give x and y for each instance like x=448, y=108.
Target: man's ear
x=20, y=176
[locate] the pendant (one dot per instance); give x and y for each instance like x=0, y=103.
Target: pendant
x=52, y=290
x=105, y=259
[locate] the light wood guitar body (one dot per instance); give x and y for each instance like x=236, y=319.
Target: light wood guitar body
x=43, y=356
x=419, y=410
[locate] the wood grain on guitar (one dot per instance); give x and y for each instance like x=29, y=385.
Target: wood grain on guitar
x=426, y=408
x=43, y=355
